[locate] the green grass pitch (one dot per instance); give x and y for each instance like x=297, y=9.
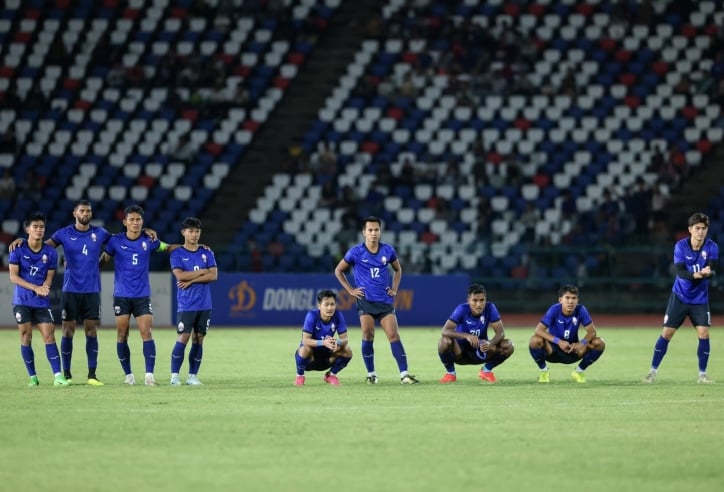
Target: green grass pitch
x=248, y=428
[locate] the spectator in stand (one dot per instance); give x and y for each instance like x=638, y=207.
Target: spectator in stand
x=7, y=186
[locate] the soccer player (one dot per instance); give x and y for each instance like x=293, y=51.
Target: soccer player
x=132, y=289
x=695, y=259
x=194, y=268
x=370, y=262
x=32, y=268
x=465, y=341
x=556, y=337
x=319, y=349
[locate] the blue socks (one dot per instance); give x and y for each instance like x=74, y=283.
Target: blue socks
x=51, y=351
x=660, y=348
x=177, y=357
x=398, y=352
x=195, y=355
x=26, y=352
x=368, y=355
x=539, y=356
x=339, y=364
x=301, y=364
x=66, y=352
x=589, y=358
x=91, y=350
x=702, y=352
x=149, y=354
x=124, y=356
x=448, y=360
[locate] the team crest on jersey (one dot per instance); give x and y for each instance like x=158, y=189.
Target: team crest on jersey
x=575, y=321
x=482, y=318
x=384, y=260
x=703, y=255
x=203, y=258
x=45, y=259
x=93, y=237
x=144, y=246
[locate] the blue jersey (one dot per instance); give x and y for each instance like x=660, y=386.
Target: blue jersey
x=566, y=327
x=319, y=330
x=131, y=264
x=371, y=270
x=196, y=297
x=465, y=322
x=32, y=267
x=694, y=291
x=82, y=249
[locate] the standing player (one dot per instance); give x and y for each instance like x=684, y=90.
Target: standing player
x=556, y=336
x=132, y=290
x=465, y=339
x=375, y=296
x=194, y=268
x=695, y=260
x=319, y=349
x=32, y=268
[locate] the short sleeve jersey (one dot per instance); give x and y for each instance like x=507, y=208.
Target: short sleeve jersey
x=566, y=327
x=81, y=249
x=131, y=259
x=694, y=291
x=371, y=271
x=319, y=330
x=465, y=322
x=33, y=267
x=196, y=297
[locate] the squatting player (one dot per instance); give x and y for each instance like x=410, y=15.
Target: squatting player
x=324, y=342
x=465, y=341
x=556, y=336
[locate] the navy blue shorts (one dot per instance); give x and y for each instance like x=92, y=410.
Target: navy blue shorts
x=198, y=321
x=559, y=356
x=469, y=355
x=78, y=306
x=377, y=310
x=33, y=315
x=677, y=311
x=136, y=306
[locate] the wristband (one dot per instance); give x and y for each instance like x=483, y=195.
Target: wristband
x=556, y=340
x=320, y=343
x=584, y=341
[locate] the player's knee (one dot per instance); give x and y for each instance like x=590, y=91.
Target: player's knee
x=444, y=344
x=507, y=348
x=536, y=342
x=598, y=344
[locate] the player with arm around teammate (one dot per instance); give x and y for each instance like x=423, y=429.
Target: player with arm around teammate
x=131, y=251
x=465, y=341
x=324, y=342
x=375, y=294
x=556, y=337
x=194, y=268
x=32, y=267
x=696, y=259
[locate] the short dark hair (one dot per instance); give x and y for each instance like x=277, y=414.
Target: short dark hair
x=82, y=203
x=371, y=218
x=567, y=288
x=699, y=218
x=133, y=209
x=35, y=217
x=191, y=223
x=476, y=289
x=323, y=294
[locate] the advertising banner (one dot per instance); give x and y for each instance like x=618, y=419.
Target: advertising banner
x=269, y=299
